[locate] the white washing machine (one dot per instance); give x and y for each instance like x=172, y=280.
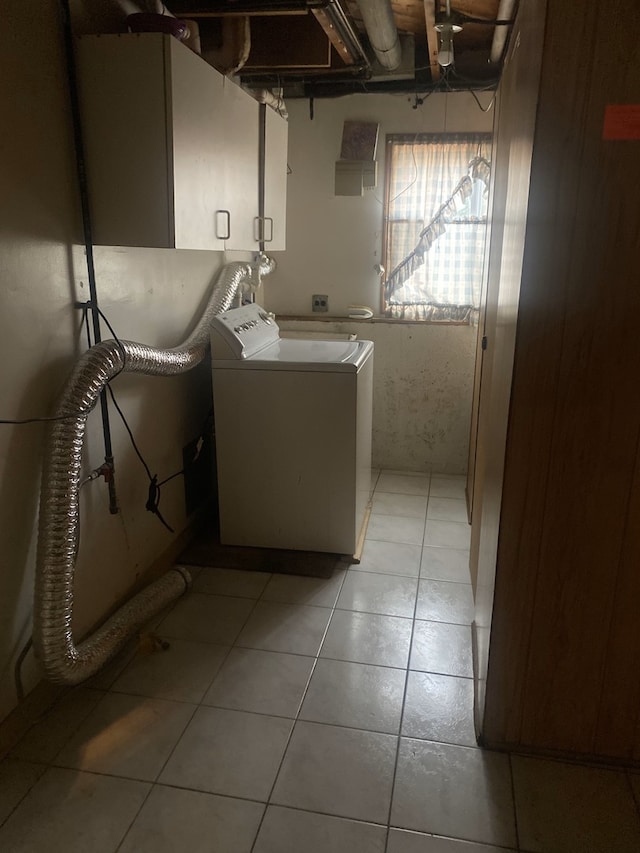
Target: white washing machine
x=293, y=435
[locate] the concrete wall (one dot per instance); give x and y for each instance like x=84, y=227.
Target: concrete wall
x=423, y=373
x=152, y=296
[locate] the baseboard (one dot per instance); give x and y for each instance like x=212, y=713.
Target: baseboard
x=44, y=695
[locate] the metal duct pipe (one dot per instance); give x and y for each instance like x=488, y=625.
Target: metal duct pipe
x=64, y=662
x=380, y=25
x=501, y=33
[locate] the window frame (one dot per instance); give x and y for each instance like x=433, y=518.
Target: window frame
x=391, y=139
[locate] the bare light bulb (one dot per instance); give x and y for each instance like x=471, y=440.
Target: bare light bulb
x=445, y=53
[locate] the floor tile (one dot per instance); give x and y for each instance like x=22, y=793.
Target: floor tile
x=356, y=695
x=405, y=841
x=182, y=672
x=231, y=582
x=105, y=677
x=395, y=528
x=390, y=558
x=574, y=809
x=445, y=564
x=443, y=486
x=441, y=601
x=405, y=484
x=72, y=812
x=343, y=772
x=262, y=682
x=16, y=779
x=283, y=829
x=174, y=820
x=442, y=648
x=454, y=791
x=439, y=708
x=293, y=628
x=447, y=534
x=127, y=736
x=447, y=509
x=368, y=638
x=207, y=618
x=391, y=503
x=374, y=593
x=293, y=589
x=46, y=738
x=229, y=752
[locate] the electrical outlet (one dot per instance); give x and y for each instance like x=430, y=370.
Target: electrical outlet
x=319, y=302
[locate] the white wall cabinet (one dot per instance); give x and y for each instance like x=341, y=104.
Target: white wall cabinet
x=171, y=147
x=275, y=180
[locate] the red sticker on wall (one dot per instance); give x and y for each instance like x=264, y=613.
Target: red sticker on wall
x=621, y=121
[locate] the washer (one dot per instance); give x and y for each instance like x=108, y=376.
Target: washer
x=293, y=435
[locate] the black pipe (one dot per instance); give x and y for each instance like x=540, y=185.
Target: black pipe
x=88, y=238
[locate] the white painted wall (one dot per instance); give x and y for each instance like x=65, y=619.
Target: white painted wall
x=334, y=242
x=423, y=376
x=153, y=296
x=422, y=383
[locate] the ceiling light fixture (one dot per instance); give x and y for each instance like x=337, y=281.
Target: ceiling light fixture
x=446, y=29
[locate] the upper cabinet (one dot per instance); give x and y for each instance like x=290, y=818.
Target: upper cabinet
x=274, y=175
x=172, y=147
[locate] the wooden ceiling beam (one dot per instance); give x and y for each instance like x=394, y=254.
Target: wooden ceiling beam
x=432, y=38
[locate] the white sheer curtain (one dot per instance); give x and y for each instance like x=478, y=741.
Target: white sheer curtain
x=423, y=172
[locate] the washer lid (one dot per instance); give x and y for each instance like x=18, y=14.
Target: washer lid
x=322, y=356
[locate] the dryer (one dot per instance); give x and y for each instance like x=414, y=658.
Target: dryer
x=293, y=423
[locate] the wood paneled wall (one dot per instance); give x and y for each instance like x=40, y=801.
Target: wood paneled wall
x=564, y=652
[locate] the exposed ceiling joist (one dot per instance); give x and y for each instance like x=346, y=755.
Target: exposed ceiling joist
x=432, y=38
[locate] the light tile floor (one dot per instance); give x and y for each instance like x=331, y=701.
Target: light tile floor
x=295, y=715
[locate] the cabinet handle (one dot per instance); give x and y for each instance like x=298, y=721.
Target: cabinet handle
x=228, y=228
x=268, y=239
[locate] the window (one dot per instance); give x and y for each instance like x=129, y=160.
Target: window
x=436, y=193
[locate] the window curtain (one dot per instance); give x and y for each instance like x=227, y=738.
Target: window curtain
x=429, y=185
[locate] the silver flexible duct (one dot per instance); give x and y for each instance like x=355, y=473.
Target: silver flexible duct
x=64, y=662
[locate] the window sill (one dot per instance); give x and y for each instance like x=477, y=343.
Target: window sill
x=392, y=321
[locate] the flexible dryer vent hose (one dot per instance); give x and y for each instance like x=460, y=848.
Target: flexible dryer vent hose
x=63, y=661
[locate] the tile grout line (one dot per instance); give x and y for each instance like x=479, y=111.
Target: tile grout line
x=196, y=707
x=636, y=800
x=404, y=700
x=297, y=715
x=513, y=797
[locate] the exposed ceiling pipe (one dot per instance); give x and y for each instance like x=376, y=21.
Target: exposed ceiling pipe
x=505, y=13
x=377, y=16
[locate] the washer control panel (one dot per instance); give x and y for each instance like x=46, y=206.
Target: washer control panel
x=242, y=332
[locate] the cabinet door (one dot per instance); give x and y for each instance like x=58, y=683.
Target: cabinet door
x=275, y=180
x=151, y=120
x=124, y=126
x=197, y=145
x=239, y=120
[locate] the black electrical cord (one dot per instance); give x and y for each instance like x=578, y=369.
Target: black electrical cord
x=81, y=412
x=17, y=670
x=128, y=429
x=20, y=421
x=153, y=498
x=477, y=100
